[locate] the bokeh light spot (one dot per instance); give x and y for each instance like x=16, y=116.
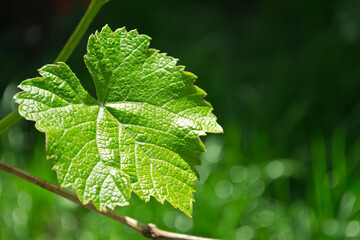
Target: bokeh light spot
x=238, y=174
x=224, y=189
x=183, y=223
x=24, y=200
x=331, y=227
x=244, y=233
x=275, y=169
x=352, y=229
x=169, y=219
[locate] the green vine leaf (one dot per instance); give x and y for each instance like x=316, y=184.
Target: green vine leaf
x=140, y=135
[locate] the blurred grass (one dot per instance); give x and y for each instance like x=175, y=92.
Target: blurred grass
x=284, y=80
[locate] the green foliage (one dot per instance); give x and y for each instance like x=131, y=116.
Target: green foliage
x=142, y=132
x=285, y=79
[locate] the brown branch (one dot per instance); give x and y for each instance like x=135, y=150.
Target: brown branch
x=147, y=230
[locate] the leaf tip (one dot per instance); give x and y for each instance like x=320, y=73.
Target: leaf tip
x=106, y=29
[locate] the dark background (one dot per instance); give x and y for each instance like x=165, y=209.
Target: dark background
x=284, y=80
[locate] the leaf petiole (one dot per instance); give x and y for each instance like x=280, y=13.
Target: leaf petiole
x=9, y=120
x=79, y=31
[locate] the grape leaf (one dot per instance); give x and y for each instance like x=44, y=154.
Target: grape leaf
x=140, y=135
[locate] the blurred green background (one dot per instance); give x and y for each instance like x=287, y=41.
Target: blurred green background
x=284, y=79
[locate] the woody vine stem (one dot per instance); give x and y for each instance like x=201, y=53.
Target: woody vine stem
x=147, y=230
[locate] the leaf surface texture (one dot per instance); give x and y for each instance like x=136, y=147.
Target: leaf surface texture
x=141, y=133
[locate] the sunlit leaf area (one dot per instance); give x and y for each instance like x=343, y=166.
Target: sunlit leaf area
x=283, y=78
